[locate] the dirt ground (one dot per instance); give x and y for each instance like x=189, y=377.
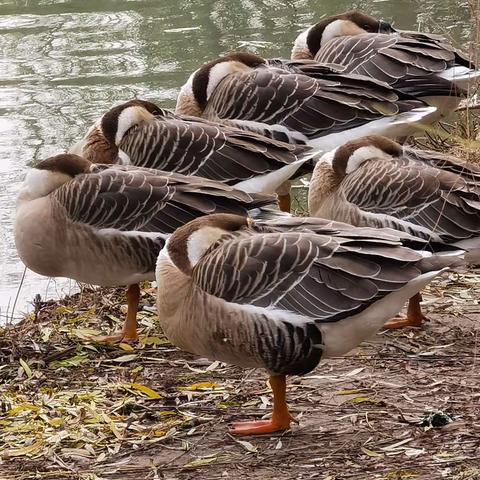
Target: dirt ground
x=406, y=404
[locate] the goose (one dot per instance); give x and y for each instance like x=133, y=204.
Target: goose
x=105, y=224
x=366, y=46
x=325, y=110
x=283, y=297
x=139, y=133
x=375, y=182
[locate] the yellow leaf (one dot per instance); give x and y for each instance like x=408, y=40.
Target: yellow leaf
x=200, y=462
x=23, y=407
x=147, y=391
x=55, y=422
x=350, y=392
x=125, y=346
x=19, y=452
x=364, y=400
x=371, y=453
x=200, y=386
x=26, y=368
x=84, y=333
x=63, y=310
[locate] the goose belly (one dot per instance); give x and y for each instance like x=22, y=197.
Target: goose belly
x=244, y=335
x=39, y=240
x=51, y=245
x=111, y=258
x=193, y=326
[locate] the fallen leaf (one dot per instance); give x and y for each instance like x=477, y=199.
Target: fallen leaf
x=350, y=392
x=26, y=368
x=371, y=453
x=200, y=386
x=28, y=450
x=249, y=447
x=146, y=390
x=200, y=462
x=125, y=358
x=364, y=400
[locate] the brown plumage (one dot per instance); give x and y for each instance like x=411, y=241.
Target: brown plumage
x=374, y=182
x=105, y=224
x=420, y=64
x=282, y=97
x=283, y=295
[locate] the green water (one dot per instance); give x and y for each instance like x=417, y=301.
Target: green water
x=64, y=62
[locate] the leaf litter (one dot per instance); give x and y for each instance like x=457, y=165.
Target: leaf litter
x=71, y=409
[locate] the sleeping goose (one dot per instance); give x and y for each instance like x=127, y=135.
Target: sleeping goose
x=245, y=90
x=282, y=297
x=375, y=182
x=367, y=46
x=105, y=224
x=140, y=133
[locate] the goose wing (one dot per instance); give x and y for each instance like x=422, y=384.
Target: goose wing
x=323, y=277
x=438, y=201
x=468, y=171
x=301, y=103
x=199, y=147
x=138, y=199
x=389, y=58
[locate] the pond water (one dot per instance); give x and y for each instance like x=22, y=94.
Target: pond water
x=64, y=62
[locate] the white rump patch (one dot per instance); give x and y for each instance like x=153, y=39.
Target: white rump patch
x=200, y=241
x=400, y=125
x=462, y=77
x=363, y=154
x=272, y=181
x=340, y=337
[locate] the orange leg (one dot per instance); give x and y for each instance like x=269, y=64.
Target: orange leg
x=284, y=202
x=281, y=417
x=129, y=330
x=414, y=317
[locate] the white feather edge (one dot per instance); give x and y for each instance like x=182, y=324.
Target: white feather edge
x=342, y=336
x=395, y=126
x=272, y=181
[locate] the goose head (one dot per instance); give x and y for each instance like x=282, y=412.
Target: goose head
x=194, y=94
x=309, y=42
x=118, y=120
x=50, y=174
x=100, y=143
x=350, y=156
x=188, y=244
